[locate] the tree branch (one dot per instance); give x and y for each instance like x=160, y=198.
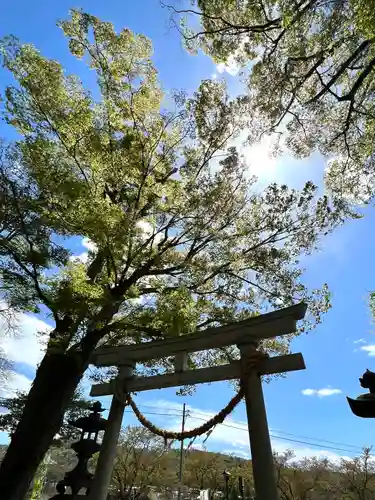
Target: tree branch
x=361, y=48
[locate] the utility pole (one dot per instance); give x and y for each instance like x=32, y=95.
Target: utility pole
x=181, y=452
x=241, y=487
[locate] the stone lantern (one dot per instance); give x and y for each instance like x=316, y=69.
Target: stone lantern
x=364, y=405
x=85, y=448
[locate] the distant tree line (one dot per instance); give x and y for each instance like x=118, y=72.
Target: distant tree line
x=146, y=469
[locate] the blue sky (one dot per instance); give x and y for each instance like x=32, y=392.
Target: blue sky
x=336, y=353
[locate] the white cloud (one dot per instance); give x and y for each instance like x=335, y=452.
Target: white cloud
x=90, y=245
x=370, y=349
x=24, y=343
x=145, y=227
x=16, y=382
x=148, y=230
x=321, y=393
x=230, y=66
x=308, y=392
x=137, y=300
x=359, y=341
x=28, y=343
x=237, y=452
x=214, y=76
x=83, y=257
x=300, y=453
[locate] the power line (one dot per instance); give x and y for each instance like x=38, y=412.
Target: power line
x=319, y=441
x=309, y=443
x=156, y=413
x=294, y=435
x=192, y=413
x=160, y=408
x=288, y=439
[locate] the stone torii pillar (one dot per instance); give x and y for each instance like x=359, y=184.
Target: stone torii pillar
x=246, y=335
x=104, y=467
x=260, y=442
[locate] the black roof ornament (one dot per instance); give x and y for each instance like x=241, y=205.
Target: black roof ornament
x=364, y=405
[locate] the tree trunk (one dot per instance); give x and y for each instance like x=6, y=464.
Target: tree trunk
x=56, y=379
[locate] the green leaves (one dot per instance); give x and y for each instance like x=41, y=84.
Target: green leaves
x=364, y=16
x=14, y=405
x=179, y=238
x=320, y=58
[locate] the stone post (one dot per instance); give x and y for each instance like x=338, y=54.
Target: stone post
x=260, y=442
x=107, y=455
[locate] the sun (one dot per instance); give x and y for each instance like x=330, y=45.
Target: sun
x=260, y=160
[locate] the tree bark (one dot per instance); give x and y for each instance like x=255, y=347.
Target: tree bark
x=56, y=379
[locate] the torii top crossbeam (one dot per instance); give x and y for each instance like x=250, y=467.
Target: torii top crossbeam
x=277, y=323
x=265, y=326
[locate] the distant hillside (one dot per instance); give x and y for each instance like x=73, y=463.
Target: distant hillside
x=197, y=463
x=150, y=472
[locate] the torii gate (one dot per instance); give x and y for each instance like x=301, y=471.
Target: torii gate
x=246, y=335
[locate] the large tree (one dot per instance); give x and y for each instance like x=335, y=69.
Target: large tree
x=320, y=57
x=179, y=240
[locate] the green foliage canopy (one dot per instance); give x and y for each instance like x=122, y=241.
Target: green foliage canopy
x=320, y=57
x=179, y=238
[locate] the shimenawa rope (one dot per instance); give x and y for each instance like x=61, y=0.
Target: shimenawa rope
x=251, y=362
